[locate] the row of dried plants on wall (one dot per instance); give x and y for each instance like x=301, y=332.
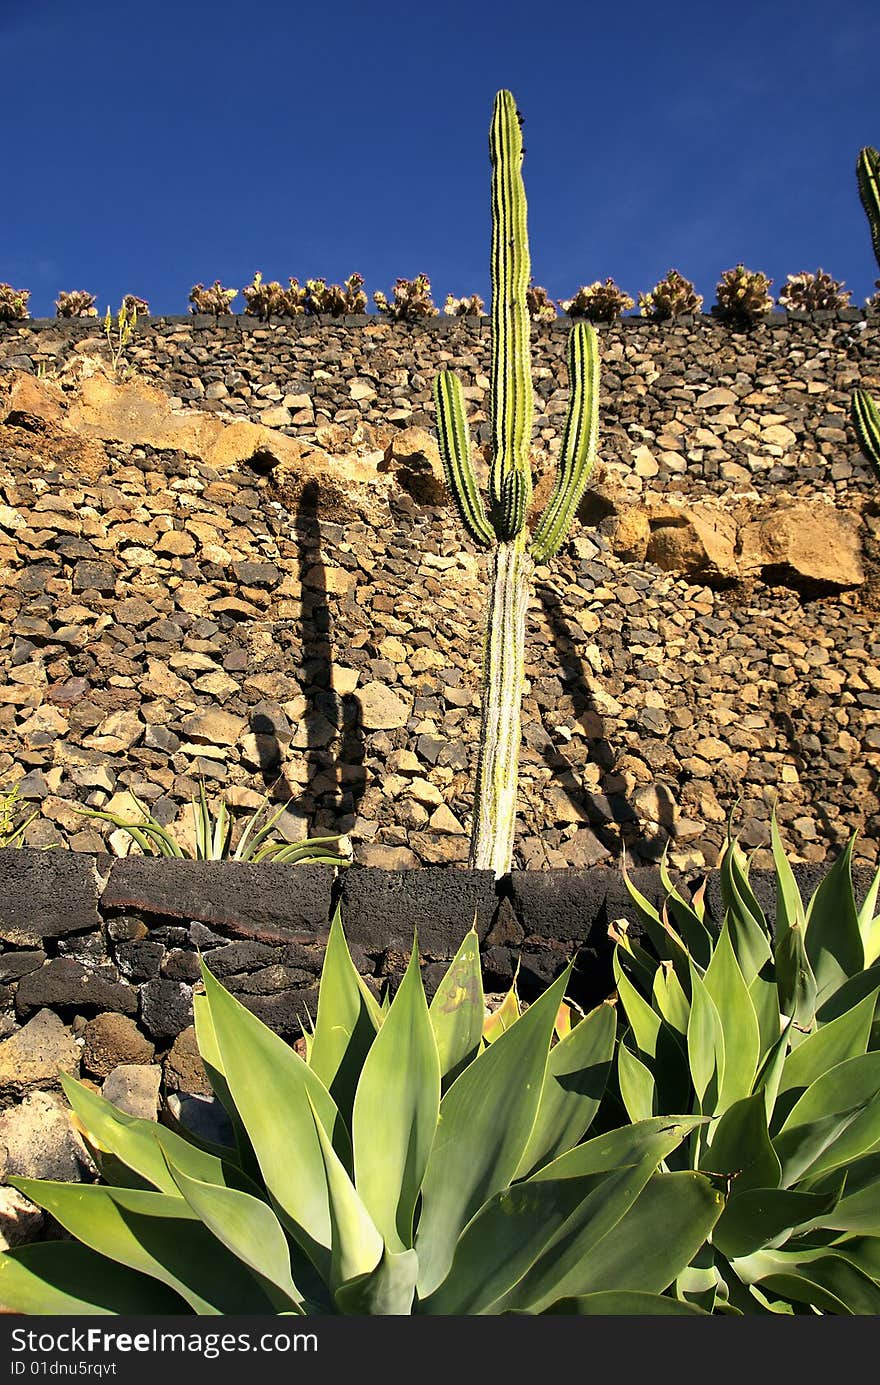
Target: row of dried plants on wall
x=741, y=293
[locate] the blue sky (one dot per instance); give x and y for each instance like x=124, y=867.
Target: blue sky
x=150, y=147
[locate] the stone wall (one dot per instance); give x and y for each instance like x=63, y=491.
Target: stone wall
x=251, y=575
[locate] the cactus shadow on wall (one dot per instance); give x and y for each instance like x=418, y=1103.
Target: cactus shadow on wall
x=611, y=818
x=330, y=738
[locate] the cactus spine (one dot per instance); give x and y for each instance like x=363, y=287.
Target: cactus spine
x=865, y=414
x=504, y=530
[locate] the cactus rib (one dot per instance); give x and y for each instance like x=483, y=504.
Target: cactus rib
x=578, y=444
x=868, y=175
x=866, y=419
x=511, y=399
x=455, y=453
x=503, y=677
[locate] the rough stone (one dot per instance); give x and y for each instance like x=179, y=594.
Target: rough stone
x=67, y=984
x=112, y=1040
x=382, y=708
x=34, y=1055
x=134, y=1088
x=816, y=541
x=39, y=1141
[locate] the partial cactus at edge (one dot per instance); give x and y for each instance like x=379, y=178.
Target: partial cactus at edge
x=866, y=419
x=504, y=528
x=868, y=176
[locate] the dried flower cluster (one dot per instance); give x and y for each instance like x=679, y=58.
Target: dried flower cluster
x=13, y=303
x=673, y=296
x=77, y=303
x=464, y=307
x=597, y=302
x=412, y=300
x=810, y=293
x=742, y=293
x=214, y=301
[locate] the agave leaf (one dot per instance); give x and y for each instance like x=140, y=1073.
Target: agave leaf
x=636, y=1083
x=789, y=905
x=114, y=1131
x=577, y=1074
x=486, y=1120
x=849, y=994
x=770, y=1073
x=705, y=1042
x=664, y=940
x=741, y=1148
x=738, y=1022
x=830, y=1284
x=748, y=927
x=66, y=1278
x=456, y=1009
x=249, y=1229
x=156, y=1235
x=644, y=1250
x=695, y=935
x=210, y=1053
x=842, y=1038
x=274, y=1091
x=670, y=999
x=395, y=1112
x=618, y=1303
x=644, y=1021
x=511, y=1234
x=858, y=1210
x=630, y=1144
x=796, y=984
x=347, y=1023
x=389, y=1289
x=757, y=1216
x=633, y=958
x=869, y=922
x=508, y=1013
x=833, y=939
x=356, y=1245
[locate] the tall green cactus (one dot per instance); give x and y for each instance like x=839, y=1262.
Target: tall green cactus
x=865, y=414
x=514, y=550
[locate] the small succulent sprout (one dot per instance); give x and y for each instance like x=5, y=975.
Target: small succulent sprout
x=412, y=300
x=13, y=303
x=743, y=293
x=810, y=293
x=539, y=304
x=77, y=303
x=673, y=296
x=136, y=307
x=464, y=307
x=265, y=300
x=598, y=302
x=216, y=300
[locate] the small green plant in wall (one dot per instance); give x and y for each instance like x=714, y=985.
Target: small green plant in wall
x=503, y=528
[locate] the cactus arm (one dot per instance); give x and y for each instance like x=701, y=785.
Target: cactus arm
x=868, y=175
x=866, y=419
x=511, y=398
x=455, y=453
x=503, y=678
x=578, y=444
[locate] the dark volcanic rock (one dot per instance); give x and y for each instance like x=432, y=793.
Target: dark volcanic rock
x=65, y=984
x=46, y=895
x=381, y=908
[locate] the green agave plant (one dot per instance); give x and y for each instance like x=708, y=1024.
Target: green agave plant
x=775, y=1040
x=863, y=407
x=213, y=836
x=406, y=1165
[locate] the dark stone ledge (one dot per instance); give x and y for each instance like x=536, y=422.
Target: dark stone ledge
x=272, y=902
x=46, y=894
x=381, y=908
